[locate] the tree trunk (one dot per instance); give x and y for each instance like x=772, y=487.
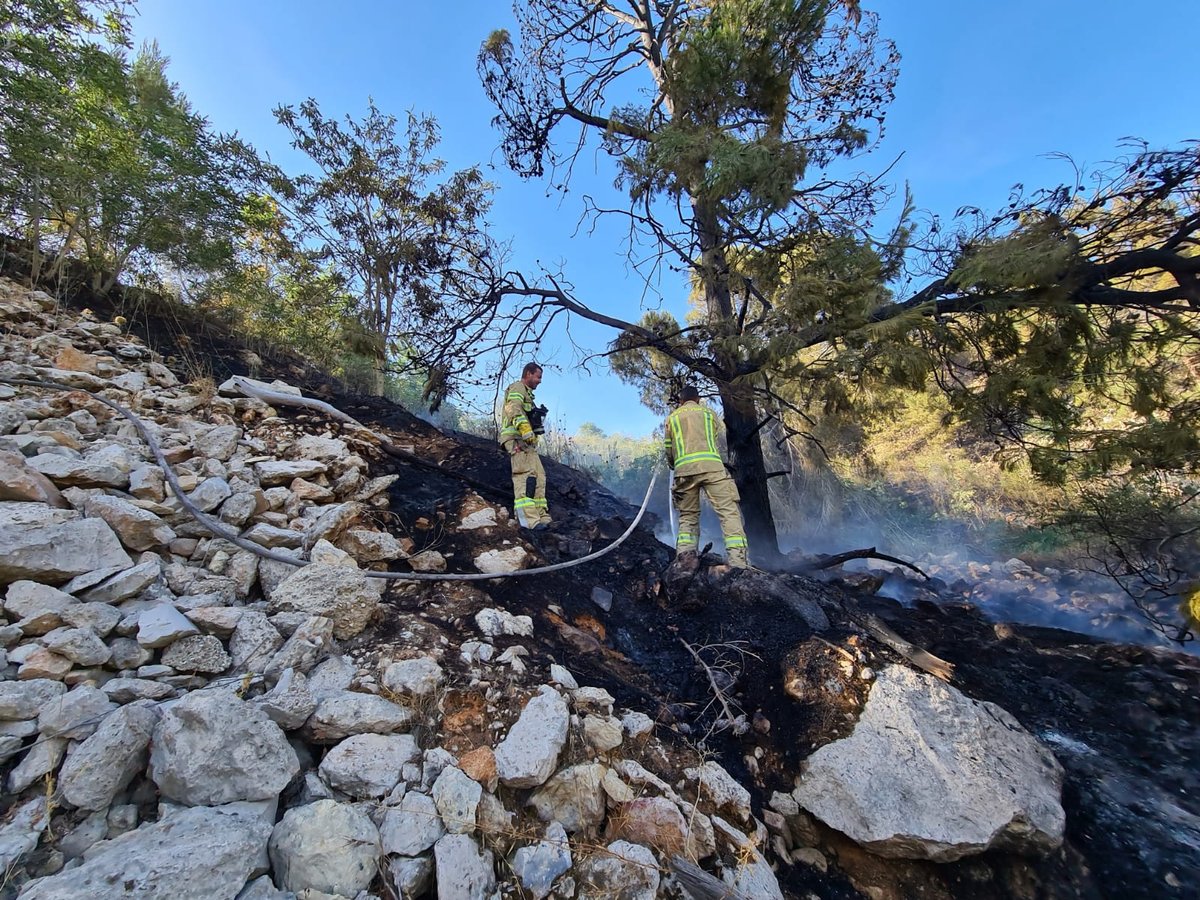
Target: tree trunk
x=737, y=401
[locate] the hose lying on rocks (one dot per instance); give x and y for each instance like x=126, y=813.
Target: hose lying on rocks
x=219, y=530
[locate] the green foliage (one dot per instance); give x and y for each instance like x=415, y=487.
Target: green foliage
x=102, y=157
x=403, y=239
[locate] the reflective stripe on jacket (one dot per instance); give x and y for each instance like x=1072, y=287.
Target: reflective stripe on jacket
x=514, y=419
x=691, y=440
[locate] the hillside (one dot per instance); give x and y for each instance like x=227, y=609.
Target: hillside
x=186, y=717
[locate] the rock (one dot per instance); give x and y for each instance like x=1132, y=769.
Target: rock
x=129, y=654
x=528, y=756
x=456, y=797
x=326, y=846
x=290, y=702
x=721, y=789
x=320, y=447
x=602, y=598
x=560, y=675
x=753, y=877
x=624, y=870
x=42, y=663
x=427, y=561
x=603, y=733
x=412, y=827
x=368, y=765
x=99, y=619
x=538, y=866
x=26, y=699
x=66, y=471
x=218, y=442
x=463, y=868
x=637, y=724
x=274, y=538
x=57, y=552
x=162, y=625
x=102, y=766
x=411, y=875
x=278, y=472
x=652, y=821
x=336, y=592
x=340, y=715
x=197, y=854
x=22, y=832
x=138, y=529
x=592, y=699
x=573, y=797
x=308, y=644
x=38, y=608
x=198, y=653
x=20, y=483
x=126, y=583
x=80, y=645
x=972, y=780
x=128, y=690
x=371, y=546
x=481, y=518
x=495, y=622
x=480, y=765
x=254, y=642
x=216, y=620
x=214, y=748
x=500, y=562
x=42, y=758
x=418, y=677
x=74, y=715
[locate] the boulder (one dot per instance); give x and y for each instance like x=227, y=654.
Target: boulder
x=929, y=773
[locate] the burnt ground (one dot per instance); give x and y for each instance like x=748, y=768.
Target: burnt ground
x=1121, y=719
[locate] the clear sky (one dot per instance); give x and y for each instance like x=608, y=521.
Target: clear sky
x=986, y=91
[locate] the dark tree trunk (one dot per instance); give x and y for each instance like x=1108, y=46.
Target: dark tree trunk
x=750, y=473
x=737, y=401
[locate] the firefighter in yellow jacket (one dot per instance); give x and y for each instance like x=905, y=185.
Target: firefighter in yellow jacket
x=518, y=436
x=691, y=443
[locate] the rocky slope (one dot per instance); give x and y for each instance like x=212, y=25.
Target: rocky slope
x=182, y=716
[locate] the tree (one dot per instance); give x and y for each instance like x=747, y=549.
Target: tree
x=48, y=48
x=724, y=121
x=404, y=240
x=148, y=182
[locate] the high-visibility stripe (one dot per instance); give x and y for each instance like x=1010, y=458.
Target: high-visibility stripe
x=677, y=431
x=710, y=431
x=735, y=540
x=694, y=457
x=686, y=540
x=539, y=501
x=523, y=502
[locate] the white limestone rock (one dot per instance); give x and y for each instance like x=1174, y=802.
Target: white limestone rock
x=972, y=779
x=212, y=747
x=325, y=846
x=529, y=754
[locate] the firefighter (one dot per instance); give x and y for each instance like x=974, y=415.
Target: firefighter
x=521, y=423
x=691, y=444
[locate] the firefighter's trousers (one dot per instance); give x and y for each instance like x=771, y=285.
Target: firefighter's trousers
x=530, y=510
x=722, y=493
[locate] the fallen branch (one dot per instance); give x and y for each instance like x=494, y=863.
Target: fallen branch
x=699, y=885
x=729, y=716
x=828, y=562
x=922, y=659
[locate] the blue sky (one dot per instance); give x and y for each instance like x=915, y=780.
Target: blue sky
x=986, y=91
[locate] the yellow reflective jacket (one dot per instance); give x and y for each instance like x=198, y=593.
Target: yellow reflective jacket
x=691, y=440
x=514, y=419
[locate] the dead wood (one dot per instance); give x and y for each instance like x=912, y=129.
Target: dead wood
x=828, y=562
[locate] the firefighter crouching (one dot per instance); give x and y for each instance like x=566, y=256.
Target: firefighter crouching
x=521, y=423
x=691, y=444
